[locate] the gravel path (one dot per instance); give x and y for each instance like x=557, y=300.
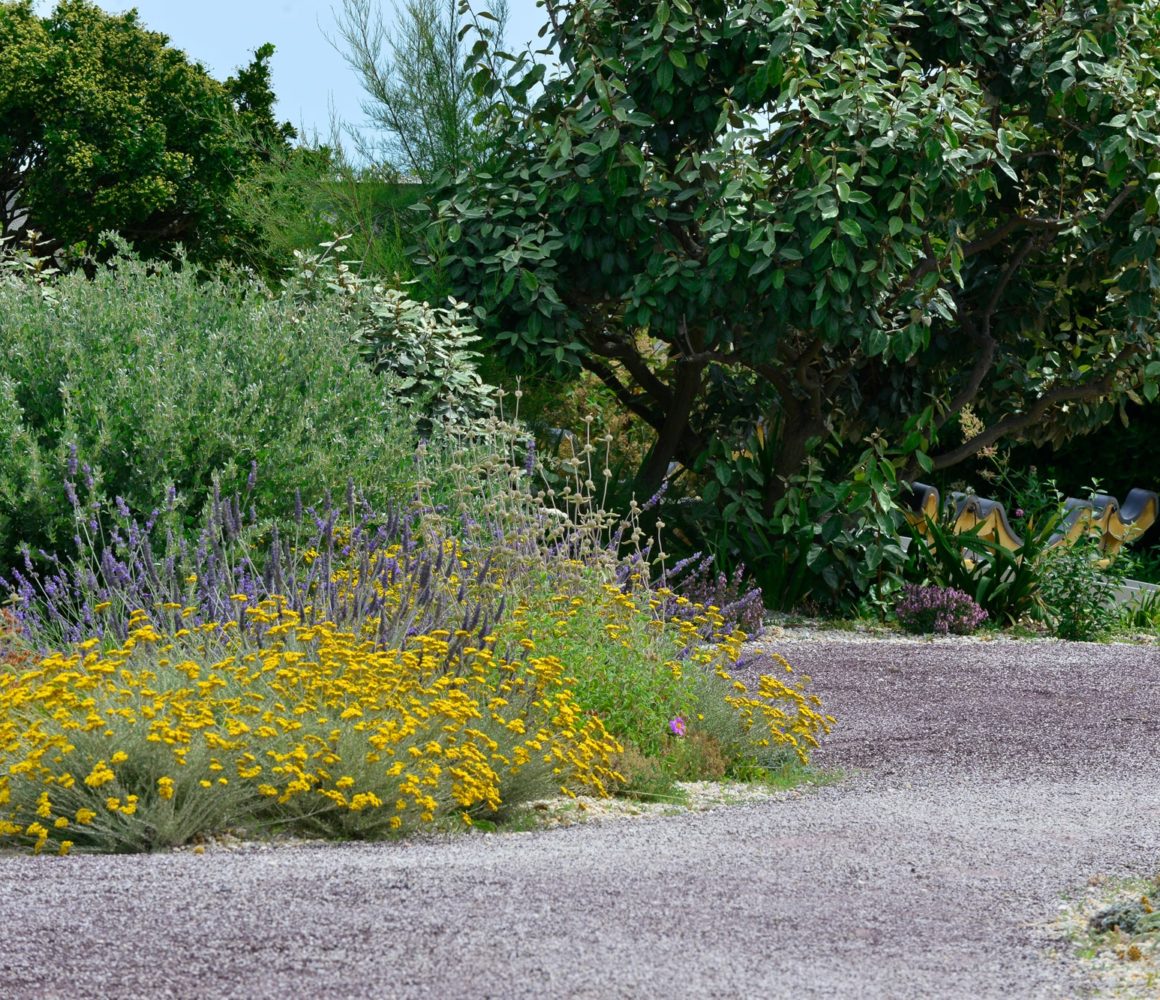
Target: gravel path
x=982, y=782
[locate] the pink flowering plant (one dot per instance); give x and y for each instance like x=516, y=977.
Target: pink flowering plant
x=941, y=610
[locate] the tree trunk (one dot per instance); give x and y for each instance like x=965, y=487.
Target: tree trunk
x=674, y=431
x=791, y=456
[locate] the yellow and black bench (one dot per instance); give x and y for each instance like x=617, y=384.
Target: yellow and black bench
x=1102, y=517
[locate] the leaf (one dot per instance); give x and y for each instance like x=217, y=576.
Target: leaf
x=875, y=342
x=820, y=237
x=677, y=58
x=602, y=94
x=851, y=228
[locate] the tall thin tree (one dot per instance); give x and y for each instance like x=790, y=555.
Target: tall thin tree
x=420, y=99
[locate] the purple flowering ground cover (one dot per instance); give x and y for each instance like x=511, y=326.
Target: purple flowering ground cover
x=981, y=781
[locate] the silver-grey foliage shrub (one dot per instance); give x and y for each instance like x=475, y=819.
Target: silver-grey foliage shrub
x=159, y=378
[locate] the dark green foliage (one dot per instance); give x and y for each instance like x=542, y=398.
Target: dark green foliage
x=103, y=126
x=1004, y=583
x=824, y=221
x=824, y=542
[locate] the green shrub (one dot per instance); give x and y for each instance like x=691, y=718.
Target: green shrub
x=582, y=584
x=824, y=543
x=1078, y=593
x=160, y=378
x=300, y=197
x=1004, y=583
x=425, y=348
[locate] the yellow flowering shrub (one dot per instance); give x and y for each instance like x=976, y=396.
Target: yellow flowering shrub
x=155, y=740
x=648, y=672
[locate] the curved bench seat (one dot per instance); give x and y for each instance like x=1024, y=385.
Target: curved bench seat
x=1131, y=519
x=1078, y=520
x=973, y=511
x=1102, y=517
x=920, y=505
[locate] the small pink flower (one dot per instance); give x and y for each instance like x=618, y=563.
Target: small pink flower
x=677, y=726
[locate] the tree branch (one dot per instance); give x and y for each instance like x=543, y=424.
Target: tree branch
x=630, y=400
x=1019, y=421
x=985, y=242
x=981, y=335
x=688, y=244
x=1117, y=201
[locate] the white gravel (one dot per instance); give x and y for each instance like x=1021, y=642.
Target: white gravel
x=982, y=781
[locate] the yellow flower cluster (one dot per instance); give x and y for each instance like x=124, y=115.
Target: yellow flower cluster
x=317, y=725
x=779, y=714
x=782, y=711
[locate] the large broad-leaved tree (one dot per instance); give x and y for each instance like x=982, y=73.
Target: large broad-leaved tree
x=774, y=228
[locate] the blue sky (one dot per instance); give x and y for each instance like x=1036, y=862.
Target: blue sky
x=309, y=75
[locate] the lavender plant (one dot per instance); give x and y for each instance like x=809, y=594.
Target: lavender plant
x=739, y=602
x=486, y=556
x=335, y=564
x=941, y=610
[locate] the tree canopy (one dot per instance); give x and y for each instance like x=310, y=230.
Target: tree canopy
x=774, y=229
x=103, y=125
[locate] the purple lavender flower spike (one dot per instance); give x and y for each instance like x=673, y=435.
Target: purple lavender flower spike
x=657, y=497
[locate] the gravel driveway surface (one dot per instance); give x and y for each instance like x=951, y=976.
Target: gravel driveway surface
x=981, y=782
